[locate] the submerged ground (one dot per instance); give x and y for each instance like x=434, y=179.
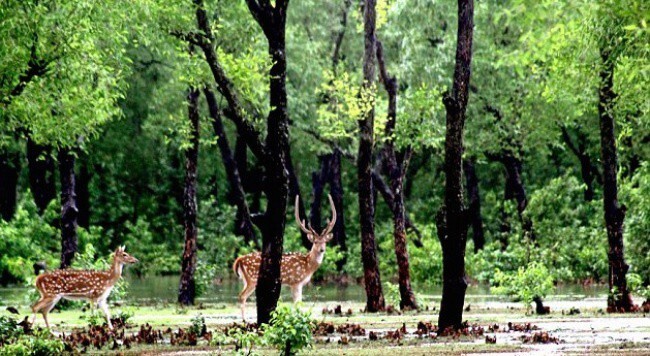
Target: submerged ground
x=577, y=323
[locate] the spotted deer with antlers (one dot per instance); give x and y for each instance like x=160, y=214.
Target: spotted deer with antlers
x=93, y=286
x=296, y=268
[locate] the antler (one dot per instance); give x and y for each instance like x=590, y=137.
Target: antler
x=301, y=223
x=330, y=224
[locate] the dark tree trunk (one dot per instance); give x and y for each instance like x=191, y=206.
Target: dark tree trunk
x=515, y=189
x=9, y=170
x=587, y=169
x=372, y=280
x=83, y=195
x=244, y=225
x=386, y=193
x=41, y=174
x=272, y=20
x=620, y=300
x=187, y=285
x=396, y=169
x=474, y=200
x=336, y=191
x=452, y=219
x=69, y=210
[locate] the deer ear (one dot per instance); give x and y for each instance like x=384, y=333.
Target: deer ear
x=329, y=237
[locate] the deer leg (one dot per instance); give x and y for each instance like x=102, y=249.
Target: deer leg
x=48, y=307
x=104, y=306
x=243, y=296
x=38, y=306
x=296, y=293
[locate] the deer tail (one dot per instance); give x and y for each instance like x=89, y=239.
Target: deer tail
x=236, y=267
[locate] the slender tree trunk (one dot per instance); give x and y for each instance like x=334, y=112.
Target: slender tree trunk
x=372, y=280
x=474, y=209
x=69, y=210
x=396, y=170
x=515, y=189
x=272, y=20
x=452, y=219
x=41, y=174
x=386, y=193
x=587, y=169
x=244, y=223
x=336, y=190
x=9, y=171
x=619, y=298
x=187, y=285
x=83, y=194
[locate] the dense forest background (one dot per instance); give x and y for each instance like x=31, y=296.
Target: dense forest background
x=100, y=92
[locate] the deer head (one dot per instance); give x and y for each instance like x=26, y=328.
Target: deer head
x=318, y=240
x=121, y=257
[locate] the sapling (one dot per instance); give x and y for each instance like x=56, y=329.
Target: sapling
x=530, y=283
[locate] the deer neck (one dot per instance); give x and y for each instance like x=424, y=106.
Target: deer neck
x=116, y=270
x=315, y=259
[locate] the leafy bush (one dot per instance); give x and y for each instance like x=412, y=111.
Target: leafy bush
x=637, y=286
x=41, y=343
x=26, y=239
x=529, y=282
x=8, y=329
x=198, y=325
x=243, y=340
x=290, y=330
x=14, y=341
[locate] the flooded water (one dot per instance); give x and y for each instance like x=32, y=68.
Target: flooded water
x=164, y=289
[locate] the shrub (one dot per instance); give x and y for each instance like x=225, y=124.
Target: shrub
x=13, y=340
x=26, y=239
x=637, y=285
x=528, y=283
x=198, y=325
x=290, y=330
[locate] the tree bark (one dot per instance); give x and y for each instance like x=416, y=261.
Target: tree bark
x=244, y=225
x=83, y=194
x=41, y=174
x=452, y=218
x=69, y=210
x=336, y=191
x=587, y=169
x=272, y=20
x=187, y=285
x=9, y=171
x=619, y=297
x=372, y=280
x=474, y=209
x=396, y=169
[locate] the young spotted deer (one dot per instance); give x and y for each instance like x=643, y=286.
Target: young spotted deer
x=94, y=286
x=296, y=268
